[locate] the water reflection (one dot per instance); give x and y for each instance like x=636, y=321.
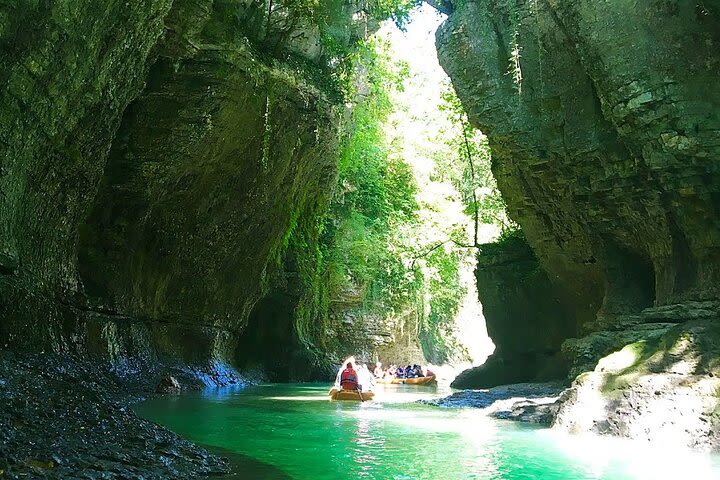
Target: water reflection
x=366, y=444
x=297, y=430
x=221, y=394
x=305, y=398
x=641, y=460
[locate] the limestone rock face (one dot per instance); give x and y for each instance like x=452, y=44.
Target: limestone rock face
x=661, y=389
x=69, y=70
x=603, y=123
x=289, y=27
x=604, y=119
x=209, y=167
x=525, y=317
x=153, y=157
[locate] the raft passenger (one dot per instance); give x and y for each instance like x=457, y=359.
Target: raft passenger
x=349, y=378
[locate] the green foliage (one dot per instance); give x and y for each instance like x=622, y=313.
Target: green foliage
x=375, y=194
x=331, y=18
x=468, y=166
x=511, y=237
x=397, y=10
x=378, y=239
x=383, y=239
x=445, y=293
x=276, y=24
x=461, y=157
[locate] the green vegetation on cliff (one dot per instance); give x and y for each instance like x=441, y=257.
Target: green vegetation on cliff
x=403, y=222
x=375, y=194
x=205, y=191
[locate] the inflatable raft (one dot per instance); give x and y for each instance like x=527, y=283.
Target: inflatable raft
x=408, y=381
x=351, y=395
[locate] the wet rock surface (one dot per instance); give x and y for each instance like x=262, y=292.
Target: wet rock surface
x=169, y=385
x=525, y=402
x=62, y=418
x=163, y=166
x=154, y=159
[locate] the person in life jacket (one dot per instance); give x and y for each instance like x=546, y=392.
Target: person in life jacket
x=349, y=378
x=350, y=359
x=378, y=372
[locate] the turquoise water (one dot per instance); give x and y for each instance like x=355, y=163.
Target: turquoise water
x=293, y=431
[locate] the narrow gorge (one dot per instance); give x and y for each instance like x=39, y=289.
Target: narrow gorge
x=219, y=193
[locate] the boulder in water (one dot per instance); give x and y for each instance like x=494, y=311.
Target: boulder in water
x=168, y=385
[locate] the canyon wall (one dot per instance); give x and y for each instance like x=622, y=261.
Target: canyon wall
x=55, y=133
x=525, y=317
x=156, y=158
x=604, y=121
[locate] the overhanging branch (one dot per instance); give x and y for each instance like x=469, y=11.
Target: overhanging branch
x=435, y=247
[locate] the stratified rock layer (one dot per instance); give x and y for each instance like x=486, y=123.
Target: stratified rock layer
x=70, y=68
x=662, y=388
x=210, y=166
x=604, y=122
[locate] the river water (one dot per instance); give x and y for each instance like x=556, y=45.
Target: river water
x=294, y=432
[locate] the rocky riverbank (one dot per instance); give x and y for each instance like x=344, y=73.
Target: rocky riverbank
x=64, y=418
x=660, y=388
x=525, y=402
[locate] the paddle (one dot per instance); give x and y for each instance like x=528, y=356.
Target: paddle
x=360, y=393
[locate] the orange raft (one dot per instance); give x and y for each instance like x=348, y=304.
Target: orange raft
x=350, y=395
x=408, y=381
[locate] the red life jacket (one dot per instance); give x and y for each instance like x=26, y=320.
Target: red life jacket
x=348, y=379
